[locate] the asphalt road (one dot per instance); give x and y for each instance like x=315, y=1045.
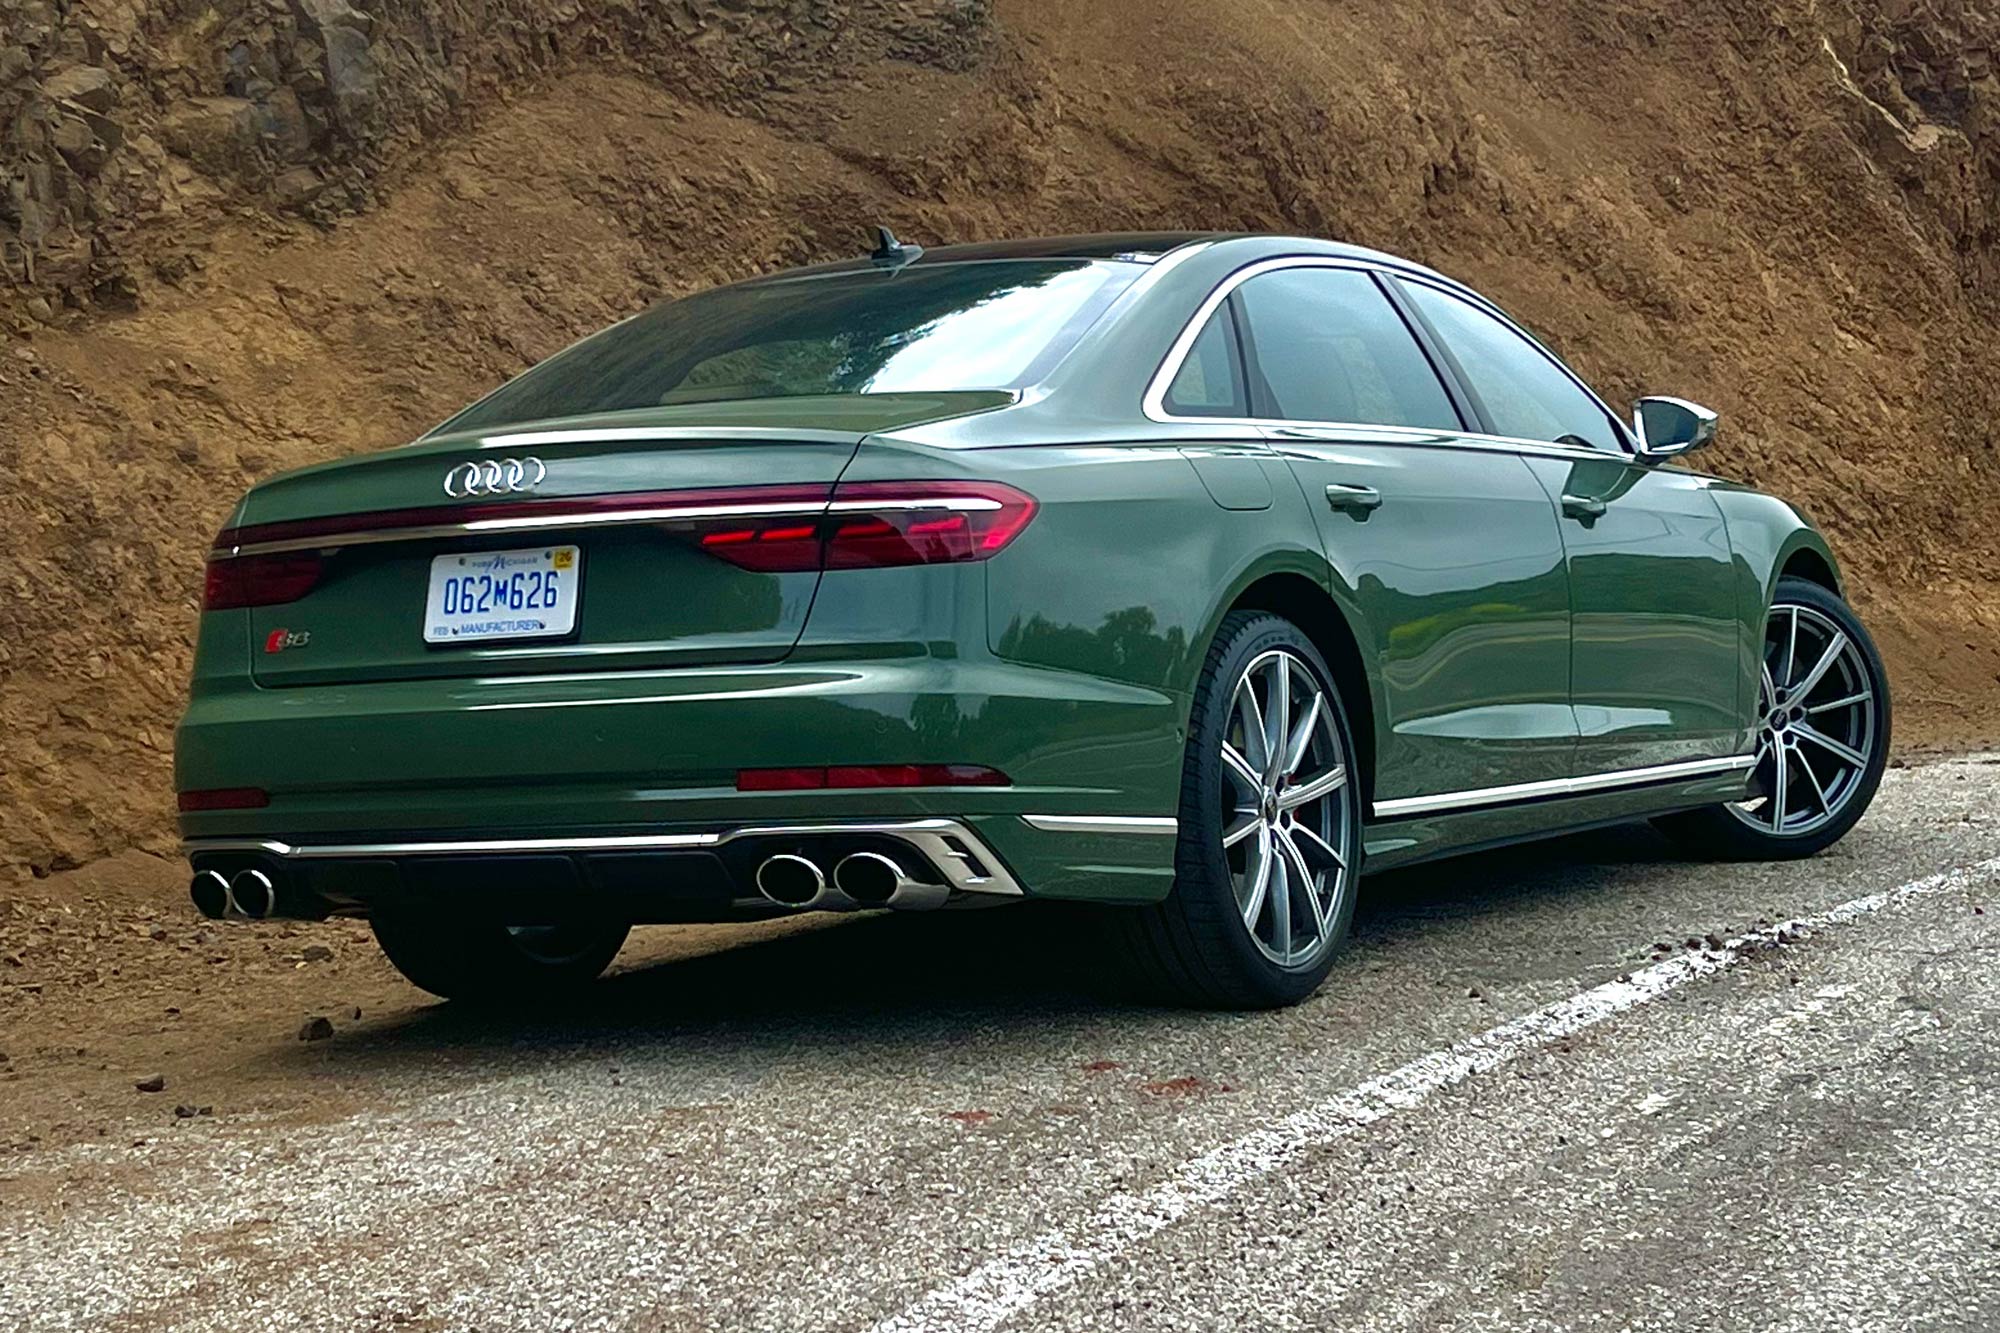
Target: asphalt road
x=1508, y=1110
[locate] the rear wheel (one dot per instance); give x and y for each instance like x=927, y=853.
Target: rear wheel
x=482, y=961
x=1269, y=829
x=1822, y=735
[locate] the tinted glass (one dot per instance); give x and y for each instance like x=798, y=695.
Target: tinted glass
x=1326, y=345
x=1527, y=395
x=1210, y=382
x=993, y=325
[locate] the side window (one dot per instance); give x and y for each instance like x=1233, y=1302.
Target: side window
x=1526, y=395
x=1210, y=381
x=1324, y=344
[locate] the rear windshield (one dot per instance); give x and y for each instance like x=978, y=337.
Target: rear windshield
x=992, y=325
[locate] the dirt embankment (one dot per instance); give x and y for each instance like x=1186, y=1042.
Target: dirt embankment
x=249, y=234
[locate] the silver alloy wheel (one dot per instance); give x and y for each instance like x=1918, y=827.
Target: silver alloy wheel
x=1816, y=724
x=1286, y=830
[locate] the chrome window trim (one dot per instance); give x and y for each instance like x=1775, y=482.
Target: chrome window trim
x=1297, y=432
x=559, y=518
x=1405, y=806
x=1485, y=307
x=1159, y=825
x=1154, y=404
x=932, y=838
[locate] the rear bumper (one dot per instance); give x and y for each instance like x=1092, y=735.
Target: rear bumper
x=589, y=779
x=677, y=876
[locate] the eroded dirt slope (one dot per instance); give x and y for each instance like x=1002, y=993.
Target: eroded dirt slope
x=244, y=235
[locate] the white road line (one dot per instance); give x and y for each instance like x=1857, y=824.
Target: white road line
x=1015, y=1279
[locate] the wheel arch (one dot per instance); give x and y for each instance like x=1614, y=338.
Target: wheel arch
x=1773, y=539
x=1307, y=604
x=1813, y=564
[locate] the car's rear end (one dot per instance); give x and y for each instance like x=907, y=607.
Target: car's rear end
x=636, y=632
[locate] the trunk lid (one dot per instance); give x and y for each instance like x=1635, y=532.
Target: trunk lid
x=645, y=597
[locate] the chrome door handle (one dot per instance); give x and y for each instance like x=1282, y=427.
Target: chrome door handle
x=1583, y=507
x=1359, y=501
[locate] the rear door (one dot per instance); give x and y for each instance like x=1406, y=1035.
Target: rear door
x=1654, y=672
x=1450, y=549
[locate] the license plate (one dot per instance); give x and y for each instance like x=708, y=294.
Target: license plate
x=493, y=596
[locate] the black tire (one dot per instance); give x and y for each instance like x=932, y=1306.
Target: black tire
x=1194, y=947
x=483, y=962
x=1721, y=832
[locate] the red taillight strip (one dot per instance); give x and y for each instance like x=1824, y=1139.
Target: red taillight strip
x=878, y=525
x=630, y=507
x=430, y=521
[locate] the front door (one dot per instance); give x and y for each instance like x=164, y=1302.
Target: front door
x=1654, y=663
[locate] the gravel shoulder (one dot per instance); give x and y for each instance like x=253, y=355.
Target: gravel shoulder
x=821, y=1126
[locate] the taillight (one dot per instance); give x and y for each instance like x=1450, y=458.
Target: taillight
x=848, y=776
x=776, y=546
x=876, y=525
x=258, y=580
x=770, y=529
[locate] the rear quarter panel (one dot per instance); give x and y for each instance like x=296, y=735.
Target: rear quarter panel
x=1122, y=577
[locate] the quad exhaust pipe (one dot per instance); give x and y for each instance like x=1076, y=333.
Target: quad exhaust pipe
x=860, y=880
x=248, y=895
x=797, y=882
x=875, y=880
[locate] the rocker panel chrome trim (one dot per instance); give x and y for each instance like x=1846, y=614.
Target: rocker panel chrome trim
x=1578, y=786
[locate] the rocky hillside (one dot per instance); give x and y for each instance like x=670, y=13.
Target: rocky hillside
x=239, y=235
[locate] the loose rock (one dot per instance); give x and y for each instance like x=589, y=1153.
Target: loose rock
x=86, y=85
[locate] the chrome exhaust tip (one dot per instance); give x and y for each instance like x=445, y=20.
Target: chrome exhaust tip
x=791, y=881
x=915, y=896
x=874, y=880
x=210, y=892
x=252, y=894
x=869, y=878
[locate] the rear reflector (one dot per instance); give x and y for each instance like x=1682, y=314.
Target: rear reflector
x=224, y=798
x=258, y=580
x=854, y=776
x=878, y=525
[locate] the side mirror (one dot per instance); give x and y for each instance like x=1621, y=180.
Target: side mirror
x=1670, y=427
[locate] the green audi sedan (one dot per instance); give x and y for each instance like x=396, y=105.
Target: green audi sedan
x=1189, y=576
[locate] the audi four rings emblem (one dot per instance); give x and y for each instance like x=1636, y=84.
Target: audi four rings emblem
x=495, y=476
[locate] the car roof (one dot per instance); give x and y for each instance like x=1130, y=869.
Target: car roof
x=1139, y=247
